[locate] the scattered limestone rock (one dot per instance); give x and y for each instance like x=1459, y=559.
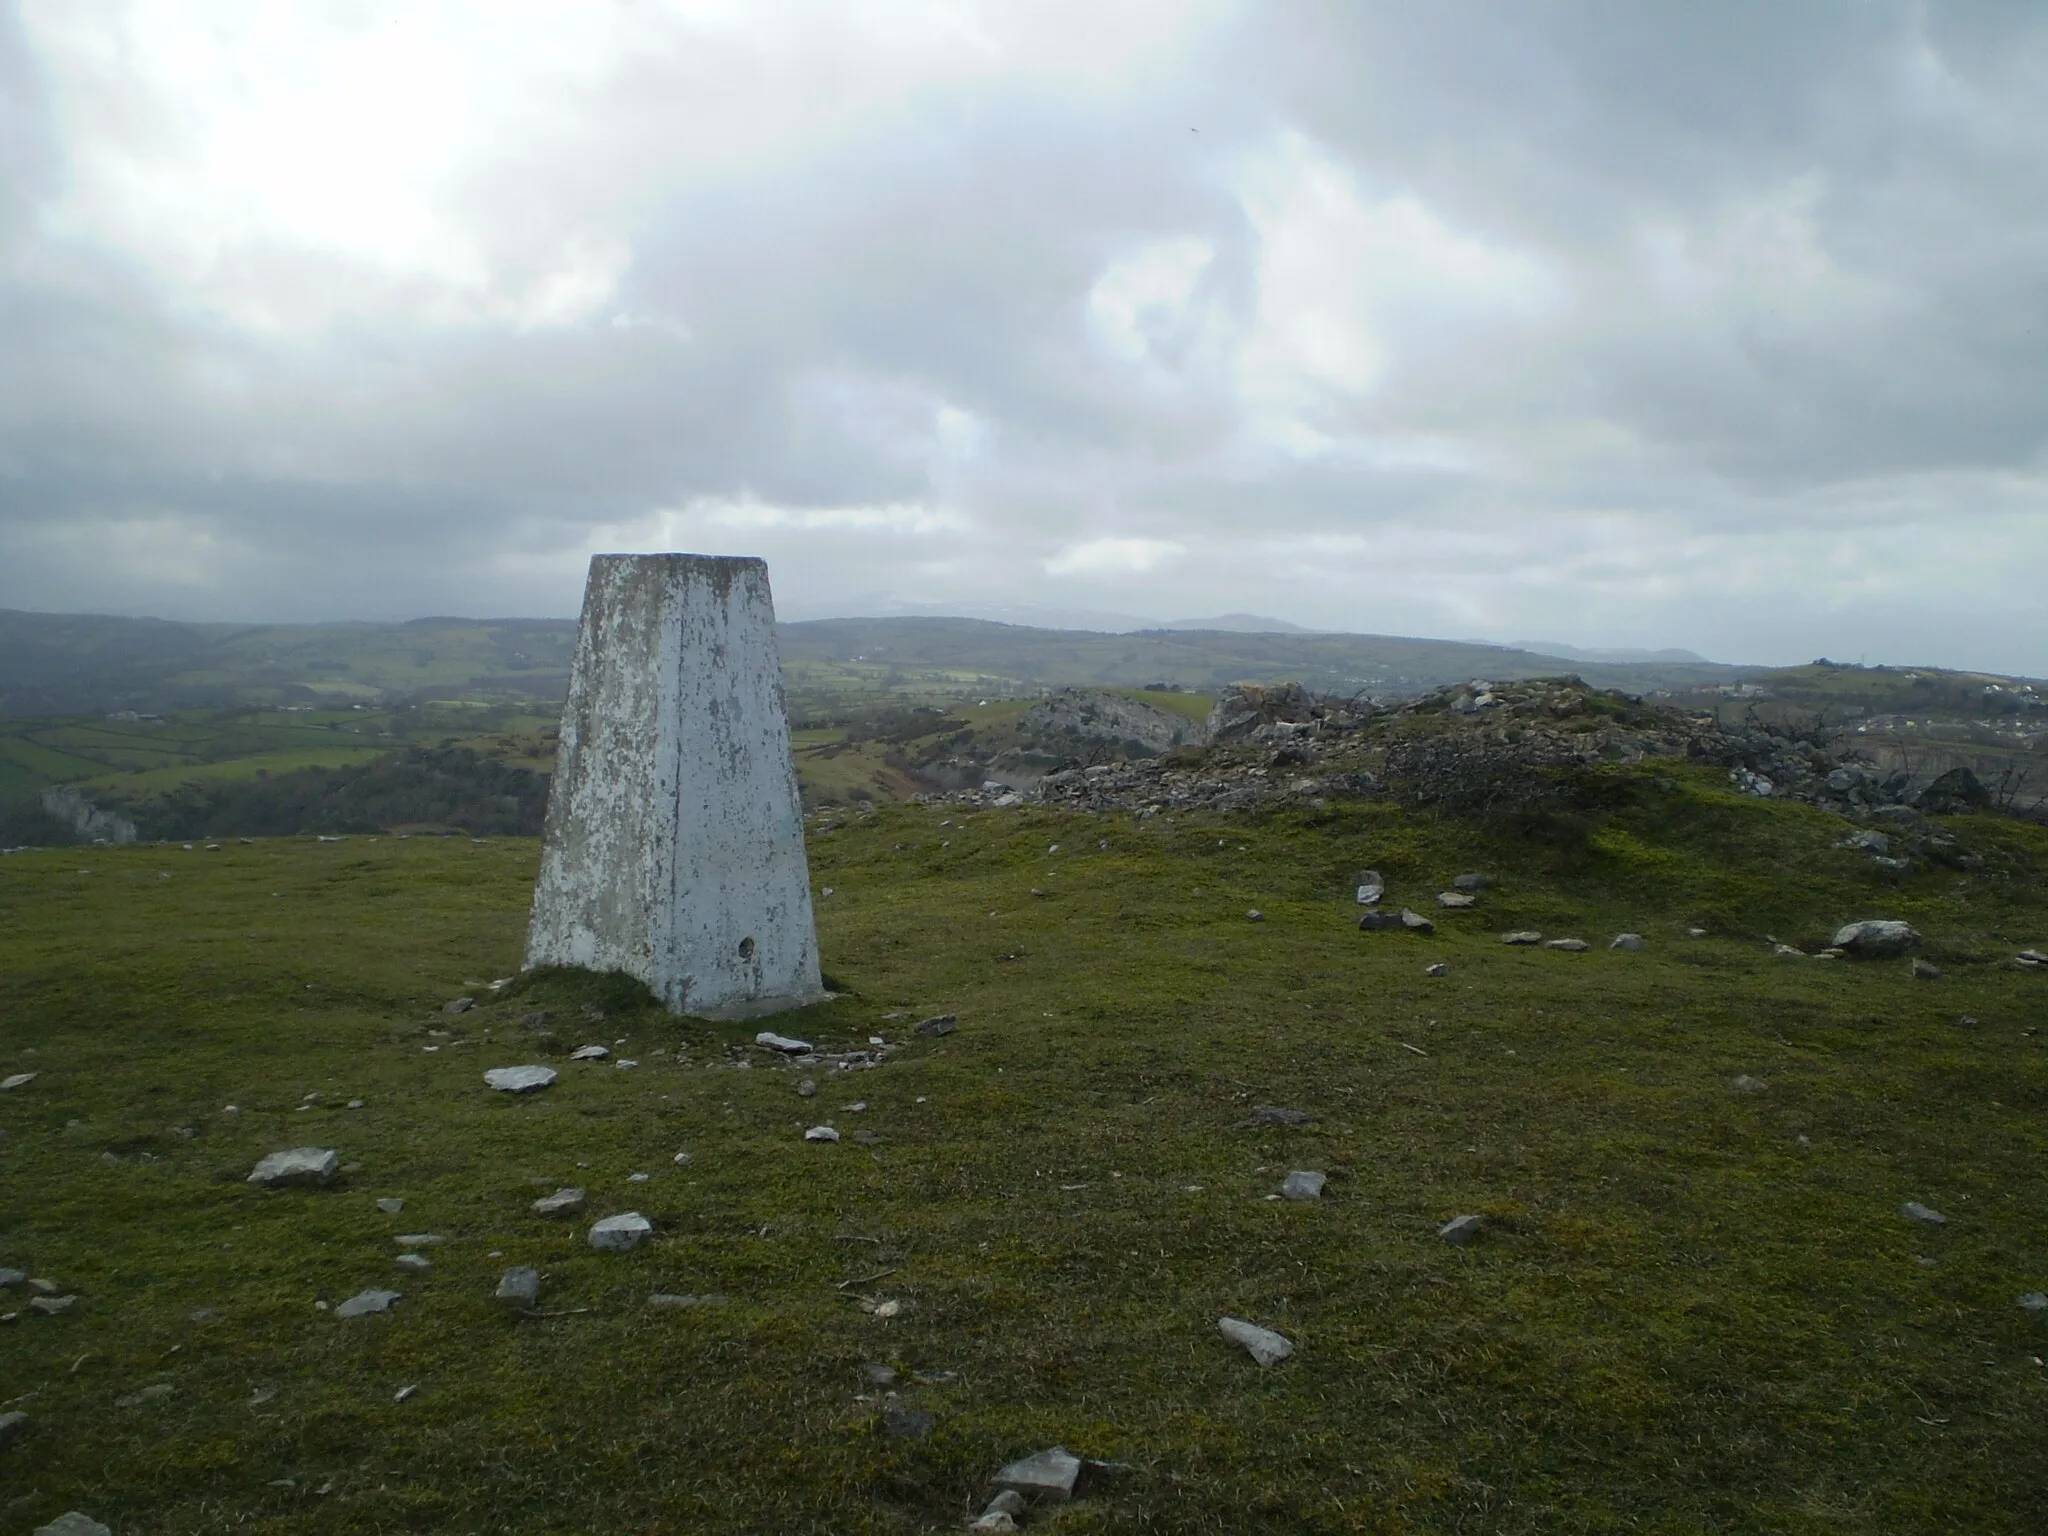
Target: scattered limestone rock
x=73, y=1523
x=1304, y=1184
x=1568, y=946
x=941, y=1025
x=521, y=1079
x=460, y=1005
x=1439, y=969
x=806, y=1089
x=1370, y=887
x=1001, y=1514
x=1376, y=920
x=1627, y=941
x=1471, y=884
x=17, y=1080
x=1415, y=922
x=1925, y=970
x=390, y=1205
x=1744, y=1083
x=363, y=1303
x=563, y=1202
x=590, y=1053
x=1455, y=900
x=520, y=1286
x=1263, y=1344
x=622, y=1233
x=300, y=1165
x=1051, y=1474
x=11, y=1425
x=1255, y=916
x=1461, y=1229
x=51, y=1306
x=2031, y=960
x=1274, y=1114
x=1876, y=939
x=821, y=1133
x=1913, y=1210
x=782, y=1043
x=1523, y=936
x=10, y=1278
x=2034, y=1301
x=414, y=1263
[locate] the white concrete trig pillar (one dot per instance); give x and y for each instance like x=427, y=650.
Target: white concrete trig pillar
x=675, y=844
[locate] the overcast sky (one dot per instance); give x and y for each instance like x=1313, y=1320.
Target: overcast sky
x=1719, y=326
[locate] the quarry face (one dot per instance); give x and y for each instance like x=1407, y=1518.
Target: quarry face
x=674, y=846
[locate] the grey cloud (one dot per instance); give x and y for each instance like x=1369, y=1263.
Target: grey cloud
x=1795, y=288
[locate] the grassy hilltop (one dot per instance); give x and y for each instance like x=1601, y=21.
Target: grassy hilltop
x=1695, y=1306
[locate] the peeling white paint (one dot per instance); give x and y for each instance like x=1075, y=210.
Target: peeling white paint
x=675, y=847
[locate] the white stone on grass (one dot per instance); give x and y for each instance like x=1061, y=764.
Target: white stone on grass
x=1877, y=939
x=1913, y=1210
x=1627, y=941
x=300, y=1165
x=17, y=1080
x=1522, y=936
x=520, y=1286
x=563, y=1202
x=1263, y=1344
x=414, y=1263
x=675, y=842
x=821, y=1133
x=1461, y=1229
x=590, y=1053
x=390, y=1205
x=783, y=1043
x=1569, y=946
x=621, y=1234
x=363, y=1303
x=74, y=1523
x=520, y=1079
x=1051, y=1474
x=1304, y=1184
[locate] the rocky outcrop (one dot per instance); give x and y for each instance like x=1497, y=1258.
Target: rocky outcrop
x=64, y=803
x=1079, y=719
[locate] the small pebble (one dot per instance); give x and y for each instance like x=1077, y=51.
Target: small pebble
x=414, y=1263
x=390, y=1205
x=1304, y=1184
x=1913, y=1210
x=821, y=1133
x=1439, y=969
x=403, y=1393
x=1461, y=1229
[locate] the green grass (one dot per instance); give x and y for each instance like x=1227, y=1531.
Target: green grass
x=1694, y=1309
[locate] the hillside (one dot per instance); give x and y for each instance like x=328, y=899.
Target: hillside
x=1694, y=1302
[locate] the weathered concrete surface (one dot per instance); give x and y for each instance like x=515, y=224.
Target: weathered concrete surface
x=674, y=849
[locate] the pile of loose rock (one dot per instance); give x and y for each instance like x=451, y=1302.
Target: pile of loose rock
x=1486, y=746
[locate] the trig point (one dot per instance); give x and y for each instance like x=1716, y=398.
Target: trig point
x=675, y=843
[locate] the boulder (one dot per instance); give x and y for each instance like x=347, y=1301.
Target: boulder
x=622, y=1233
x=1876, y=939
x=1415, y=922
x=1245, y=708
x=1956, y=791
x=520, y=1286
x=1370, y=887
x=1050, y=1474
x=1263, y=1344
x=1522, y=936
x=563, y=1202
x=527, y=1079
x=363, y=1303
x=300, y=1165
x=1304, y=1184
x=1454, y=900
x=1627, y=941
x=1377, y=919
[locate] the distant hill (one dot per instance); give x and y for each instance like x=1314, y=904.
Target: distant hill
x=1609, y=654
x=1238, y=623
x=72, y=664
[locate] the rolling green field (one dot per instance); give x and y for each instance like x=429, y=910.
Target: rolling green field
x=1695, y=1306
